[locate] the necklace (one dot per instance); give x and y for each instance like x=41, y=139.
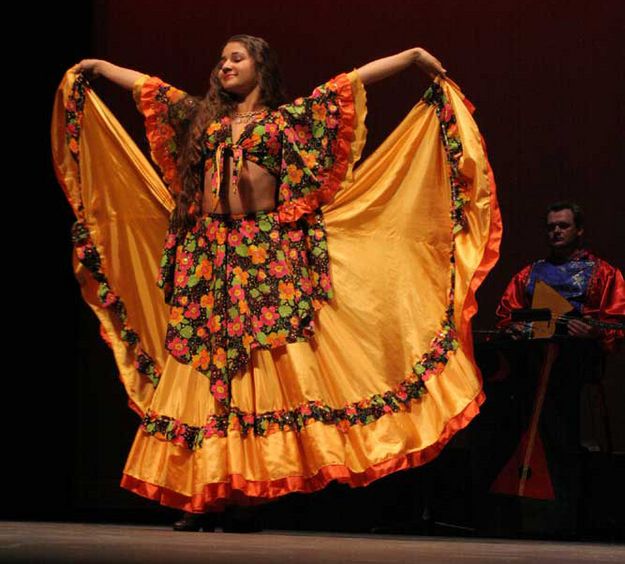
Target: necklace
x=244, y=117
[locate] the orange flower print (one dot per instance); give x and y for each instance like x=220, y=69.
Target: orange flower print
x=247, y=341
x=201, y=360
x=204, y=269
x=309, y=158
x=343, y=425
x=207, y=300
x=258, y=254
x=243, y=307
x=220, y=358
x=241, y=275
x=175, y=315
x=214, y=323
x=214, y=126
x=221, y=235
x=276, y=340
x=319, y=112
x=287, y=290
x=295, y=174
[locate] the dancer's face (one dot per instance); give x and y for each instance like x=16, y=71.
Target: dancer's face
x=237, y=72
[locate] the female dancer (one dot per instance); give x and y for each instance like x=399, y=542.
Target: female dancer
x=264, y=390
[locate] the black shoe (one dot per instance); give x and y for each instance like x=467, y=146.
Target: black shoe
x=242, y=520
x=193, y=522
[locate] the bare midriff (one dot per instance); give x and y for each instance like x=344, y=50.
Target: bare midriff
x=255, y=191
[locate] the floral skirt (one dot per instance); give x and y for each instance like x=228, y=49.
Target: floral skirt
x=237, y=283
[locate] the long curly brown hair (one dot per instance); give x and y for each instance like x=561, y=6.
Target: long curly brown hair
x=200, y=112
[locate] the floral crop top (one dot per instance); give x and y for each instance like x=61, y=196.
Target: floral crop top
x=309, y=145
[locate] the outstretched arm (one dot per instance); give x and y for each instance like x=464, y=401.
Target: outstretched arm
x=388, y=66
x=119, y=75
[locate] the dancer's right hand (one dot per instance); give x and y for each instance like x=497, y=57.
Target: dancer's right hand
x=89, y=67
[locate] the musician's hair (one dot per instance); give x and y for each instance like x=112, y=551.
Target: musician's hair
x=578, y=212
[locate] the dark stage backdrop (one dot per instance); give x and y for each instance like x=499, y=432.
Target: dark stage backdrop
x=546, y=77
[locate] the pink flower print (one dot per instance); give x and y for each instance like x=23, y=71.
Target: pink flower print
x=235, y=327
x=269, y=316
x=248, y=229
x=170, y=240
x=193, y=311
x=220, y=255
x=178, y=347
x=219, y=390
x=279, y=269
x=235, y=238
x=236, y=293
x=302, y=132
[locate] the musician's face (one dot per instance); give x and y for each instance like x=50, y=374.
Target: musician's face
x=561, y=229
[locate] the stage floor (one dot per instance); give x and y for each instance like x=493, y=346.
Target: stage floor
x=87, y=543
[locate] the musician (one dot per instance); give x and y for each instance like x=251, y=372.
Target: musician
x=596, y=290
x=593, y=287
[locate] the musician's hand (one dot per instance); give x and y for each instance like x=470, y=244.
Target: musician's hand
x=578, y=328
x=519, y=330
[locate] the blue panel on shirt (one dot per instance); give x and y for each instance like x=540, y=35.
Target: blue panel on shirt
x=569, y=279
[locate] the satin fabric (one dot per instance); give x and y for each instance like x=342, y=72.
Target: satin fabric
x=391, y=248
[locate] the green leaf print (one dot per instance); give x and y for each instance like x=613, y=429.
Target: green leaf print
x=242, y=250
x=186, y=331
x=285, y=310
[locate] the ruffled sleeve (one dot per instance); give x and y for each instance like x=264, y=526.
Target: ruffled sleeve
x=324, y=135
x=167, y=112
